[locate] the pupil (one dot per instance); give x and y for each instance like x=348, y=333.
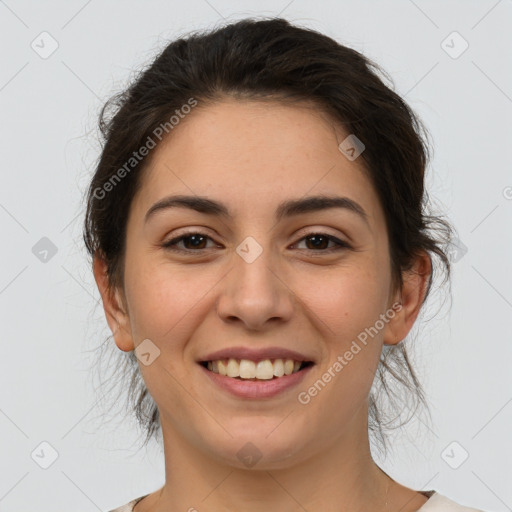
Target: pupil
x=196, y=238
x=315, y=239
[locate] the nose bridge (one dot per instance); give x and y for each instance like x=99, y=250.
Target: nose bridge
x=253, y=267
x=254, y=292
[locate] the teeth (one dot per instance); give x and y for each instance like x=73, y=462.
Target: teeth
x=278, y=368
x=262, y=370
x=223, y=369
x=247, y=369
x=233, y=369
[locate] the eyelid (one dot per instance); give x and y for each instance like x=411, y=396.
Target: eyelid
x=318, y=230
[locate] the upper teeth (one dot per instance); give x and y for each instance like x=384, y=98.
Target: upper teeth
x=246, y=369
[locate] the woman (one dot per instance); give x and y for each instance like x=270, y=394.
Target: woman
x=259, y=239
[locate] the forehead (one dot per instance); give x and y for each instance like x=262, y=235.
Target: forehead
x=251, y=133
x=252, y=154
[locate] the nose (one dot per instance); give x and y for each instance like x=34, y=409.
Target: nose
x=255, y=290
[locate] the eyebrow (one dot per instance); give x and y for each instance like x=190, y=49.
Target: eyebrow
x=286, y=209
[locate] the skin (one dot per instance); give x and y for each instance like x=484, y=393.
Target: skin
x=251, y=155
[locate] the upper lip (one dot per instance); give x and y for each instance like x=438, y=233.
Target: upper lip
x=253, y=354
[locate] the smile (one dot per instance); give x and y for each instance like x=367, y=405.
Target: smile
x=252, y=387
x=246, y=369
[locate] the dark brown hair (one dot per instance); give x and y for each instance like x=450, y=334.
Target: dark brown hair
x=273, y=59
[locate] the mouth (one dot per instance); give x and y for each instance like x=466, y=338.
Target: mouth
x=256, y=379
x=256, y=370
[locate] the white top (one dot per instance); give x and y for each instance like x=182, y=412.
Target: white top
x=436, y=503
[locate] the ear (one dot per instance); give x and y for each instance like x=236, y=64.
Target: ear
x=411, y=295
x=115, y=311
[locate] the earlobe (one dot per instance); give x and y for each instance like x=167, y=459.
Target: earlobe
x=415, y=282
x=116, y=316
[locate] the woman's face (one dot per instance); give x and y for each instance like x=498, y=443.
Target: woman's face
x=257, y=281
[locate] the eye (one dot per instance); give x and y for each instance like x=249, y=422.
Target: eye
x=196, y=242
x=319, y=240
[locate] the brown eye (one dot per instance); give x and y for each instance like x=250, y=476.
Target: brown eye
x=196, y=242
x=192, y=240
x=318, y=242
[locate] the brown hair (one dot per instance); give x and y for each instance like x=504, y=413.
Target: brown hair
x=262, y=59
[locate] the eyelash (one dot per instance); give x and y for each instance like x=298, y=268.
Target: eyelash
x=341, y=245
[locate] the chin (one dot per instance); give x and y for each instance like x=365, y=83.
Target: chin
x=262, y=448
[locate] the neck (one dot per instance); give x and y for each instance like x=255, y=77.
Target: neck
x=341, y=476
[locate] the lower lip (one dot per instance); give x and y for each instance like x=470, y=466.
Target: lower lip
x=256, y=388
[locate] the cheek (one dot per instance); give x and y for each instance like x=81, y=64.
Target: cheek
x=345, y=315
x=344, y=303
x=161, y=301
x=346, y=311
x=165, y=307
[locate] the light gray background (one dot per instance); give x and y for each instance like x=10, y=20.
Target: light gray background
x=48, y=316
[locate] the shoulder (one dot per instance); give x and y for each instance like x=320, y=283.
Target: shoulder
x=440, y=503
x=129, y=506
